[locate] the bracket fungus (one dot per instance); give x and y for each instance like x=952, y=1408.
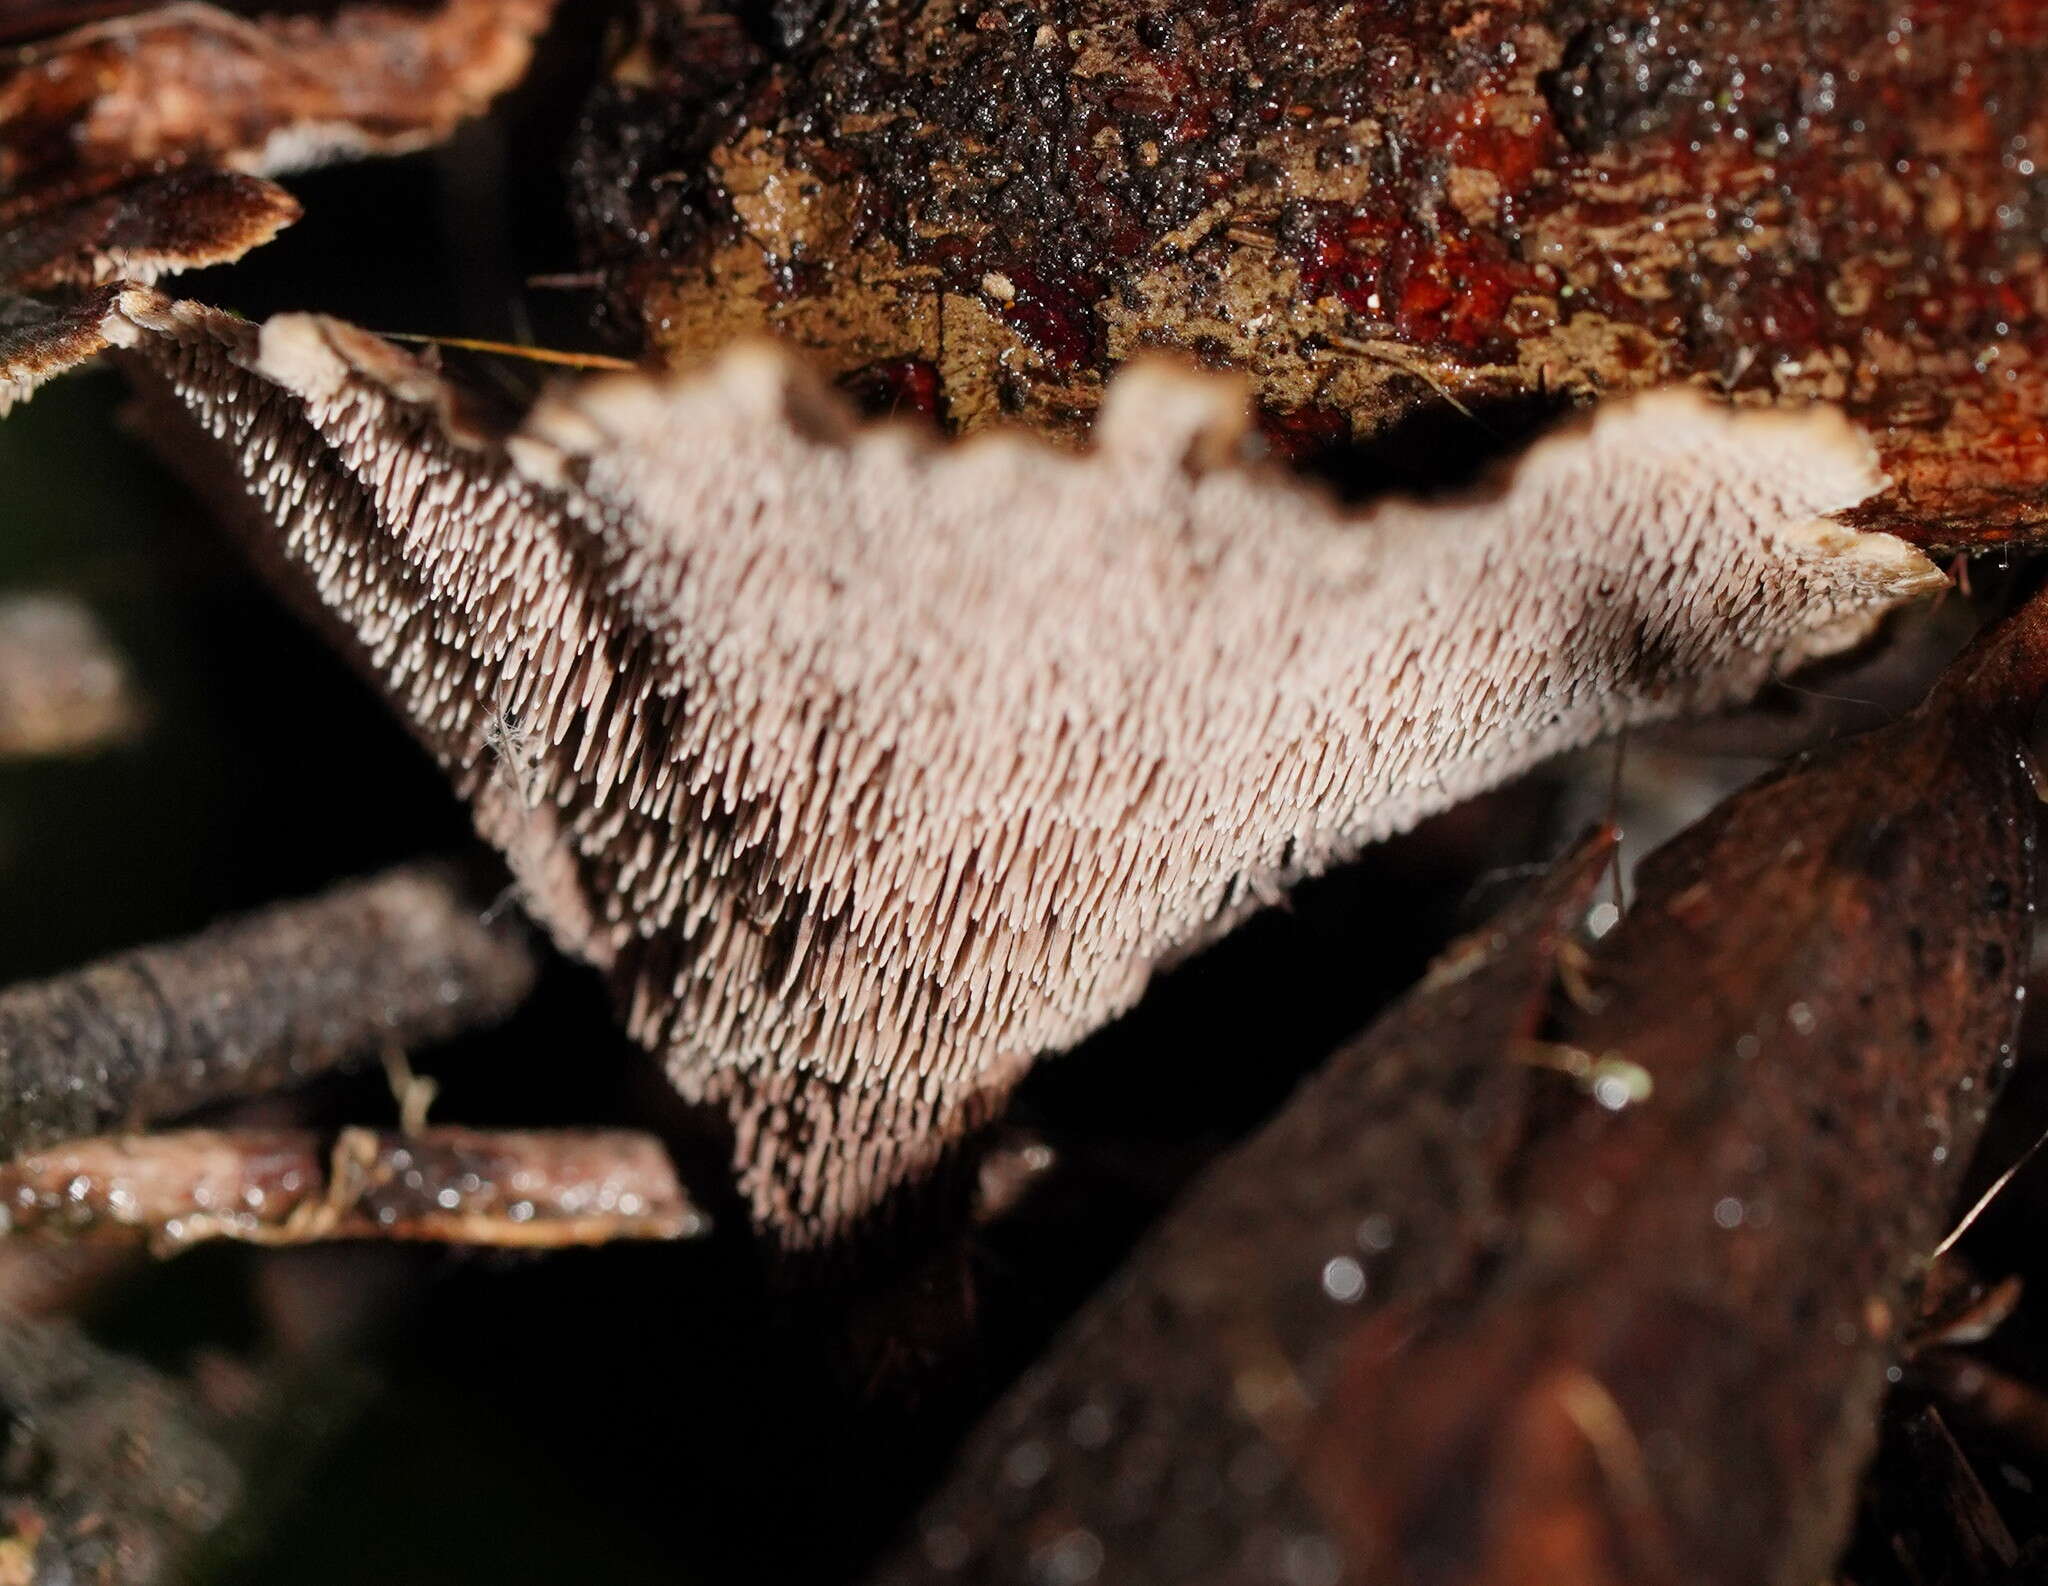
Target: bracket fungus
x=869, y=768
x=140, y=144
x=196, y=85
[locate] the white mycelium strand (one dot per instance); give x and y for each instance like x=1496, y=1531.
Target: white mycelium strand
x=871, y=767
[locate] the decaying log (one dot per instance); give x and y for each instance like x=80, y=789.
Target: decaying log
x=387, y=964
x=871, y=768
x=1384, y=214
x=1610, y=1305
x=532, y=1190
x=63, y=687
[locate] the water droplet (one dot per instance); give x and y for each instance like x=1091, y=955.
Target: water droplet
x=1026, y=1465
x=1728, y=1212
x=1344, y=1280
x=1089, y=1426
x=1070, y=1561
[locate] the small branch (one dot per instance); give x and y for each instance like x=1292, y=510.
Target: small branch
x=395, y=962
x=289, y=1187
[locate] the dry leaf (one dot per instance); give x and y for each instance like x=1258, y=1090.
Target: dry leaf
x=871, y=769
x=1380, y=213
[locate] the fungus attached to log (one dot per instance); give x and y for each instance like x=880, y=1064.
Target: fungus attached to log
x=1379, y=212
x=870, y=769
x=136, y=145
x=143, y=229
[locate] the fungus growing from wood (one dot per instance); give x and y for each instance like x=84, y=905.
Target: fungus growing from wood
x=869, y=769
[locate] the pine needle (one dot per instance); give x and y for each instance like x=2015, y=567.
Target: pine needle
x=507, y=349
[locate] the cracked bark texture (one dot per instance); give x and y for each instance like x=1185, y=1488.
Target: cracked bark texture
x=1382, y=213
x=870, y=769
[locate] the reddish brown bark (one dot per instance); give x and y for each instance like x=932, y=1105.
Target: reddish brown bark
x=1381, y=213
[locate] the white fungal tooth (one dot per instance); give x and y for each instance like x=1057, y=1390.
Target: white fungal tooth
x=872, y=769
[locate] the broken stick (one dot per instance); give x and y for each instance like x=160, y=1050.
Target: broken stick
x=533, y=1190
x=391, y=963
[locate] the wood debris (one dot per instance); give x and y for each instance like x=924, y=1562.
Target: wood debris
x=63, y=687
x=114, y=1473
x=387, y=964
x=531, y=1190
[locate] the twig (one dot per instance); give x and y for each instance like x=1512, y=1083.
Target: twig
x=386, y=964
x=290, y=1187
x=1983, y=1201
x=508, y=349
